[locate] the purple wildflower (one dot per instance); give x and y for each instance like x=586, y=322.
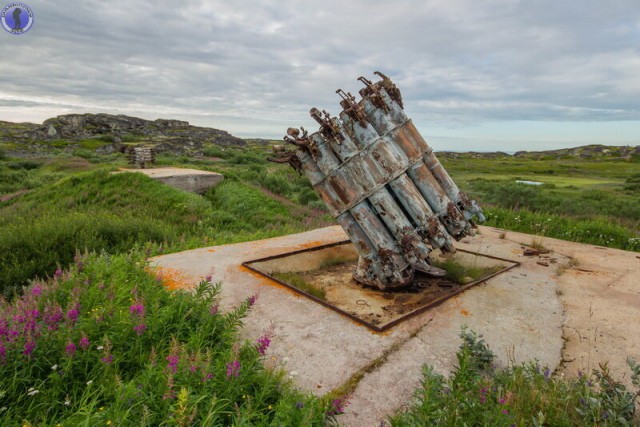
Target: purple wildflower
x=213, y=310
x=338, y=406
x=207, y=377
x=52, y=316
x=547, y=374
x=73, y=314
x=36, y=290
x=299, y=405
x=29, y=346
x=233, y=369
x=502, y=401
x=263, y=344
x=107, y=360
x=70, y=349
x=84, y=342
x=505, y=411
x=137, y=309
x=140, y=328
x=172, y=362
x=252, y=299
x=57, y=274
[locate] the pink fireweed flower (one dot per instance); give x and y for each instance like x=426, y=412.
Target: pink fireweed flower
x=207, y=377
x=52, y=317
x=140, y=328
x=72, y=315
x=137, y=310
x=70, y=349
x=213, y=310
x=338, y=406
x=36, y=290
x=57, y=274
x=208, y=278
x=84, y=342
x=233, y=369
x=252, y=299
x=172, y=362
x=263, y=344
x=29, y=346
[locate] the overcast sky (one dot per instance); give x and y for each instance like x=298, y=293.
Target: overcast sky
x=475, y=75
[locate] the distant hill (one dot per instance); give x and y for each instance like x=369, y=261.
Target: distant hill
x=593, y=151
x=109, y=133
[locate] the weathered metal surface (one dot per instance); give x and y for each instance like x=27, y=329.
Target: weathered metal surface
x=383, y=183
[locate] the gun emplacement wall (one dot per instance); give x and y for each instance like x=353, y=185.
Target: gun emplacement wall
x=383, y=183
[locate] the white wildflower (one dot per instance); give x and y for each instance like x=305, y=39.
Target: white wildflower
x=100, y=347
x=32, y=391
x=54, y=367
x=89, y=382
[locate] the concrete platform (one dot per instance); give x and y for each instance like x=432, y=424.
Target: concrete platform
x=191, y=180
x=518, y=312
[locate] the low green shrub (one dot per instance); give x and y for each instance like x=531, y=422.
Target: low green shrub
x=479, y=394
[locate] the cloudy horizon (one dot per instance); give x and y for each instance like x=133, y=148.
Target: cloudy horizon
x=485, y=76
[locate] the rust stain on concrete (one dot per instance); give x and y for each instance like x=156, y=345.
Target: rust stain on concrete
x=173, y=279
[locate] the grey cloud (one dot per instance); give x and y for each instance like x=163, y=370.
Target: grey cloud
x=260, y=65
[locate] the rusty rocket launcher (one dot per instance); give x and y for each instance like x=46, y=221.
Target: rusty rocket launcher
x=384, y=185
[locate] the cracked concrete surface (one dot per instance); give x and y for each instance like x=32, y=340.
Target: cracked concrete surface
x=520, y=314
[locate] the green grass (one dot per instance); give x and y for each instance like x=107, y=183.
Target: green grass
x=479, y=394
x=462, y=273
x=106, y=344
x=98, y=211
x=295, y=280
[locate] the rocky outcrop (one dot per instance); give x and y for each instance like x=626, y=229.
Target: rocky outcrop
x=82, y=126
x=113, y=133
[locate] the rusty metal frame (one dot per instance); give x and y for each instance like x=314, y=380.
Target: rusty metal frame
x=392, y=323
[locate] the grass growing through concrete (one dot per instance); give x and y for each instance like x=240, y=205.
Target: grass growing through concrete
x=297, y=281
x=479, y=394
x=463, y=273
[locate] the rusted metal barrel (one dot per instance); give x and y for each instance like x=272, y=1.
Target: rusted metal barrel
x=384, y=185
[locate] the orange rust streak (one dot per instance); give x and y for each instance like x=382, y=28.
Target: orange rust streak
x=312, y=244
x=171, y=278
x=464, y=312
x=262, y=280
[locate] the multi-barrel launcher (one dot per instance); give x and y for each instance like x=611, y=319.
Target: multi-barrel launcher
x=384, y=185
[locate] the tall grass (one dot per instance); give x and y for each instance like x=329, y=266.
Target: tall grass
x=106, y=344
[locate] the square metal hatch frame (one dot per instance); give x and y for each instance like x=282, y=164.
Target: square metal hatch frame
x=376, y=328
